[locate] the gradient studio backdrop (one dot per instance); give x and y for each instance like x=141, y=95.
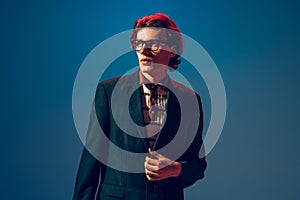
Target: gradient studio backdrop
x=255, y=45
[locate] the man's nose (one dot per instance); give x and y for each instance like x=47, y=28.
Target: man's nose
x=145, y=49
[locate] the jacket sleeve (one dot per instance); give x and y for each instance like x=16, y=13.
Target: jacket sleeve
x=88, y=174
x=87, y=177
x=193, y=166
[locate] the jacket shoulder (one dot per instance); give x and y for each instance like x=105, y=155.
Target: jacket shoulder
x=183, y=89
x=113, y=81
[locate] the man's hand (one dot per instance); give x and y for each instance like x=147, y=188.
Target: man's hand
x=158, y=167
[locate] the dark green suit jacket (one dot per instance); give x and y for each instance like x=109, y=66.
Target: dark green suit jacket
x=97, y=180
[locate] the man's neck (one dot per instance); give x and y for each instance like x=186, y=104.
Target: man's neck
x=159, y=78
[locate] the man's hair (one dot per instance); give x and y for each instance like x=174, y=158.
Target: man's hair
x=163, y=21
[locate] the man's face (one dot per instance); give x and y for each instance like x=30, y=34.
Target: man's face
x=153, y=62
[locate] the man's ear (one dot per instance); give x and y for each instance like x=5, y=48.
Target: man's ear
x=173, y=51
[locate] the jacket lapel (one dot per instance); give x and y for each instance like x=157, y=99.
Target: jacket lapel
x=135, y=106
x=172, y=123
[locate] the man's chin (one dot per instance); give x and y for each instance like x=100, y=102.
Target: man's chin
x=147, y=68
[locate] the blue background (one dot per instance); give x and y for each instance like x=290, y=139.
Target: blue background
x=255, y=45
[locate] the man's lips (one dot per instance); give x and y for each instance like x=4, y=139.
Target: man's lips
x=146, y=60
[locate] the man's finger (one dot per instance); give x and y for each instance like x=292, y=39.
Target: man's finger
x=155, y=154
x=151, y=161
x=151, y=167
x=152, y=173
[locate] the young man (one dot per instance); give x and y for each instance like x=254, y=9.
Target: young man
x=160, y=105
